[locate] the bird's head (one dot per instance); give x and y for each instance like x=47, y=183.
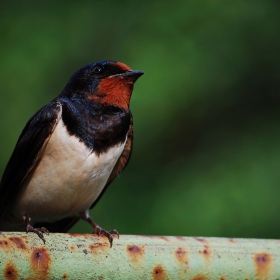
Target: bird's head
x=105, y=82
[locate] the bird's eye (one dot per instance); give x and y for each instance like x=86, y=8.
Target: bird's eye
x=98, y=69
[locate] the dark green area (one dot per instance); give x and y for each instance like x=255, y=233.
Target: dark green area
x=206, y=157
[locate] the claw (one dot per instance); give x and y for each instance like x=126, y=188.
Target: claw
x=39, y=231
x=44, y=230
x=109, y=234
x=114, y=231
x=99, y=230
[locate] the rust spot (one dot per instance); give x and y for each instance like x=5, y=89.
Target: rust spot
x=181, y=238
x=96, y=247
x=181, y=255
x=224, y=278
x=263, y=264
x=164, y=238
x=159, y=273
x=10, y=271
x=18, y=242
x=136, y=253
x=78, y=235
x=200, y=239
x=205, y=251
x=64, y=276
x=40, y=263
x=73, y=249
x=200, y=277
x=149, y=236
x=156, y=237
x=231, y=240
x=4, y=244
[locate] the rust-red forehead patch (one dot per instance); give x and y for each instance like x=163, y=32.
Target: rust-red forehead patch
x=123, y=66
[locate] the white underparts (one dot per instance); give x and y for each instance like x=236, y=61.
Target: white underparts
x=67, y=180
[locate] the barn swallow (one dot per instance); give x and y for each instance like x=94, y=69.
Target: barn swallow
x=69, y=152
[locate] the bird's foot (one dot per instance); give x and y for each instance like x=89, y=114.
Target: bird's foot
x=97, y=229
x=109, y=234
x=39, y=231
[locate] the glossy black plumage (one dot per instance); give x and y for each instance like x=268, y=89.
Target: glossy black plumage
x=95, y=113
x=99, y=127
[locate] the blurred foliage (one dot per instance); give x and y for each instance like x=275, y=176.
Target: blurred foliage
x=206, y=113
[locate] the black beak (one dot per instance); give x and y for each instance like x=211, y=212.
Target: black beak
x=132, y=75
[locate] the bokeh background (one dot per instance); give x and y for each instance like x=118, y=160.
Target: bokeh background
x=206, y=113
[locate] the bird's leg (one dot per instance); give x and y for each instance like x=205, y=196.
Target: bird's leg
x=38, y=231
x=97, y=229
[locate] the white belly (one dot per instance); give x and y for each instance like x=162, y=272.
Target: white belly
x=67, y=180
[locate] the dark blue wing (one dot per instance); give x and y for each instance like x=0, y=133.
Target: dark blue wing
x=27, y=151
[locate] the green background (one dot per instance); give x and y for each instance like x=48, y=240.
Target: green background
x=206, y=113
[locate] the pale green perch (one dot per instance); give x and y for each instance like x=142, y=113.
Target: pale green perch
x=85, y=256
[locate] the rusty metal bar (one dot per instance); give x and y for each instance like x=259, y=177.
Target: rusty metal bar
x=86, y=256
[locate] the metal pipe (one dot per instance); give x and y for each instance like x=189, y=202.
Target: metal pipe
x=86, y=256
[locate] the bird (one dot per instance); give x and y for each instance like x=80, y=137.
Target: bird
x=69, y=152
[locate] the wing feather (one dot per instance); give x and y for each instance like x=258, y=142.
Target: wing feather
x=27, y=152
